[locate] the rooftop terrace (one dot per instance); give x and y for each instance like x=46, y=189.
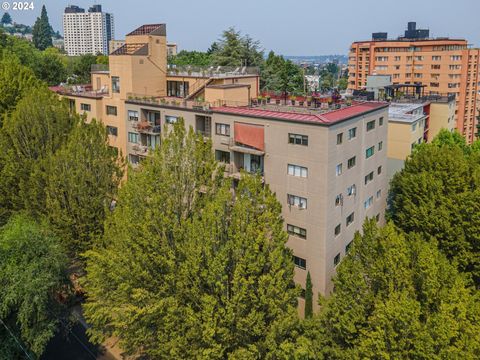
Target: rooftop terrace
x=212, y=71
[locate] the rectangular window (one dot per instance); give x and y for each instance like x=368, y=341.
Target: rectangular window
x=339, y=200
x=368, y=178
x=370, y=125
x=368, y=203
x=299, y=262
x=352, y=190
x=132, y=115
x=298, y=139
x=351, y=162
x=339, y=138
x=171, y=119
x=297, y=201
x=298, y=171
x=379, y=170
x=297, y=231
x=348, y=247
x=414, y=127
x=336, y=259
x=111, y=110
x=115, y=84
x=85, y=107
x=350, y=218
x=134, y=159
x=112, y=130
x=369, y=152
x=222, y=129
x=380, y=121
x=338, y=229
x=352, y=133
x=380, y=146
x=338, y=170
x=133, y=138
x=222, y=156
x=379, y=194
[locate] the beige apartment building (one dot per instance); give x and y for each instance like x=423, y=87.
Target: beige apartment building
x=326, y=165
x=443, y=66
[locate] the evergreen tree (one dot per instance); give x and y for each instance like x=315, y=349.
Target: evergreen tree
x=308, y=297
x=233, y=49
x=82, y=179
x=437, y=194
x=187, y=270
x=397, y=297
x=6, y=19
x=33, y=275
x=42, y=31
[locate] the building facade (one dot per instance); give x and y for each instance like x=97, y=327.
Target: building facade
x=326, y=165
x=443, y=66
x=87, y=32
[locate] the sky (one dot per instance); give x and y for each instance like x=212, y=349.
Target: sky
x=308, y=27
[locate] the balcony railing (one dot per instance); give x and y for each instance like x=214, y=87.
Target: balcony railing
x=147, y=127
x=99, y=68
x=212, y=71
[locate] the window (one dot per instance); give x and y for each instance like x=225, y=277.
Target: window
x=132, y=115
x=297, y=201
x=338, y=229
x=369, y=152
x=133, y=138
x=222, y=129
x=368, y=202
x=339, y=138
x=134, y=159
x=339, y=200
x=414, y=127
x=377, y=217
x=350, y=218
x=298, y=139
x=171, y=119
x=111, y=110
x=298, y=171
x=299, y=262
x=380, y=146
x=352, y=133
x=222, y=156
x=397, y=58
x=115, y=84
x=112, y=130
x=336, y=259
x=297, y=231
x=379, y=194
x=379, y=170
x=436, y=58
x=85, y=107
x=370, y=125
x=380, y=121
x=339, y=170
x=348, y=247
x=351, y=162
x=352, y=190
x=368, y=178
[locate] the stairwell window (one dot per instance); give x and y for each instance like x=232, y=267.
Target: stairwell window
x=338, y=229
x=339, y=200
x=297, y=201
x=352, y=190
x=380, y=146
x=380, y=121
x=115, y=84
x=336, y=259
x=338, y=170
x=339, y=138
x=350, y=218
x=368, y=203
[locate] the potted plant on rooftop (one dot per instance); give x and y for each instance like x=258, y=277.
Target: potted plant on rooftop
x=267, y=98
x=292, y=99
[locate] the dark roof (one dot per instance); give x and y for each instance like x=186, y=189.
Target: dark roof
x=327, y=118
x=150, y=29
x=132, y=49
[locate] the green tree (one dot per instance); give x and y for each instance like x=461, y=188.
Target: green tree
x=189, y=271
x=82, y=179
x=42, y=31
x=280, y=75
x=32, y=273
x=233, y=49
x=15, y=80
x=6, y=19
x=308, y=297
x=196, y=58
x=50, y=67
x=79, y=68
x=35, y=130
x=437, y=194
x=397, y=297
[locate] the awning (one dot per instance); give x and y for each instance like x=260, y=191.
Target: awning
x=250, y=135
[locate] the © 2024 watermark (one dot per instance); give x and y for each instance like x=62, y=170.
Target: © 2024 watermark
x=18, y=5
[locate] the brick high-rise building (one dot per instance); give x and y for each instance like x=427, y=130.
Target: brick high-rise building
x=444, y=66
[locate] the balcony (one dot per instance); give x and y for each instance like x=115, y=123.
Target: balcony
x=147, y=127
x=140, y=150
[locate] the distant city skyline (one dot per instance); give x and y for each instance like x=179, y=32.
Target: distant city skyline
x=303, y=29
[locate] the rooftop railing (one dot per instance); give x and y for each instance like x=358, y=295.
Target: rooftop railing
x=212, y=71
x=99, y=68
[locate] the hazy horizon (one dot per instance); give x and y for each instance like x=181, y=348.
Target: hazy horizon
x=308, y=29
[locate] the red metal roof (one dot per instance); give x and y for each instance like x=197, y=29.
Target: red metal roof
x=327, y=118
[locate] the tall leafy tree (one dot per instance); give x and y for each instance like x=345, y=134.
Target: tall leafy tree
x=42, y=31
x=233, y=49
x=397, y=297
x=308, y=297
x=82, y=179
x=189, y=271
x=33, y=276
x=35, y=130
x=437, y=195
x=6, y=19
x=196, y=58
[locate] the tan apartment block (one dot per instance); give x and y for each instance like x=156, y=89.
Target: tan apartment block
x=328, y=169
x=443, y=66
